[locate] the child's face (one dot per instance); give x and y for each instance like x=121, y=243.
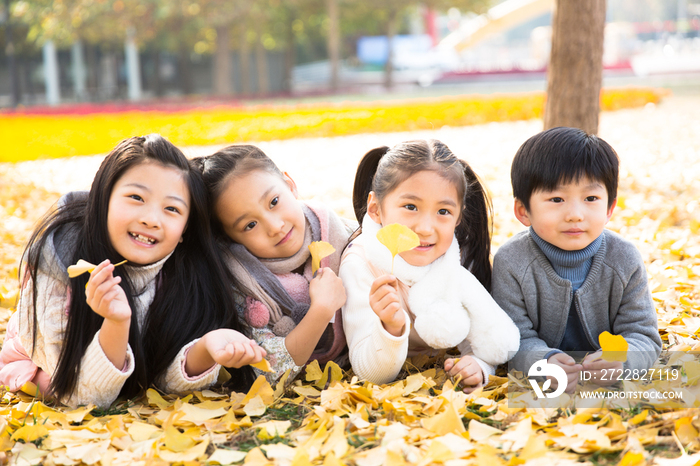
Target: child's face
x=571, y=216
x=148, y=212
x=260, y=210
x=427, y=204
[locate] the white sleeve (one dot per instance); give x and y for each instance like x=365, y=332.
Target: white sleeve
x=176, y=380
x=375, y=354
x=99, y=381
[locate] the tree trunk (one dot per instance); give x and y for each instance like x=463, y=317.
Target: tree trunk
x=11, y=58
x=289, y=53
x=245, y=62
x=222, y=62
x=156, y=83
x=186, y=84
x=261, y=64
x=575, y=73
x=391, y=28
x=334, y=42
x=93, y=71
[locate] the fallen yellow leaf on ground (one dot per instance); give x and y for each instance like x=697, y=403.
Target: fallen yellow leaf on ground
x=263, y=365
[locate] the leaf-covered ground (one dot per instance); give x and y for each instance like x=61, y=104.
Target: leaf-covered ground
x=420, y=419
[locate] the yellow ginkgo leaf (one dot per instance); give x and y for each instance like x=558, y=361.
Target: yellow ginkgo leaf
x=82, y=266
x=397, y=238
x=263, y=365
x=614, y=347
x=319, y=250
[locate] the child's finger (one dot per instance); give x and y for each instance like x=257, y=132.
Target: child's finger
x=380, y=281
x=471, y=388
x=387, y=300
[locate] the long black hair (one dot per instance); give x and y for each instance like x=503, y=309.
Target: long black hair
x=193, y=291
x=382, y=169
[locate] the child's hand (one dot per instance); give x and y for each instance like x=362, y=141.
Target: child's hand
x=572, y=370
x=603, y=373
x=327, y=293
x=232, y=349
x=105, y=296
x=384, y=300
x=468, y=370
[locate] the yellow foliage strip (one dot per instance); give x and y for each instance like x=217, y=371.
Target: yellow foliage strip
x=30, y=137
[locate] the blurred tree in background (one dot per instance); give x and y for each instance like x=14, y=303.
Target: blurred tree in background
x=234, y=38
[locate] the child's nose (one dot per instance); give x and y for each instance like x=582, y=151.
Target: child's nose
x=424, y=226
x=575, y=212
x=276, y=225
x=150, y=219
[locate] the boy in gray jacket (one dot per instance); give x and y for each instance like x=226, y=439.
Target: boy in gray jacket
x=567, y=279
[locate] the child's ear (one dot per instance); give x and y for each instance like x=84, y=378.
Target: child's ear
x=610, y=210
x=521, y=213
x=290, y=182
x=373, y=209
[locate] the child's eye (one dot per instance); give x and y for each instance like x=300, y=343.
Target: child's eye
x=250, y=226
x=592, y=198
x=444, y=212
x=274, y=201
x=557, y=199
x=411, y=207
x=136, y=197
x=173, y=209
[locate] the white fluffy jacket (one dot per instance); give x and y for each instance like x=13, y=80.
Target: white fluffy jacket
x=451, y=309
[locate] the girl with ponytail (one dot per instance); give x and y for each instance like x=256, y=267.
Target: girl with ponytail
x=437, y=296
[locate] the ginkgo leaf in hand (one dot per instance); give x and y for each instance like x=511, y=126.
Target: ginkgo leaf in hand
x=614, y=347
x=319, y=250
x=83, y=266
x=397, y=238
x=263, y=365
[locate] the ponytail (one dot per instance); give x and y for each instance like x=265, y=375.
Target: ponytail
x=474, y=229
x=363, y=180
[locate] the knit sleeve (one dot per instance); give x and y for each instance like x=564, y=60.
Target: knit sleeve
x=99, y=381
x=508, y=293
x=375, y=354
x=636, y=317
x=277, y=355
x=176, y=380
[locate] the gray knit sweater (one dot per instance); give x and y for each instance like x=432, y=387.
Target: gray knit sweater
x=615, y=297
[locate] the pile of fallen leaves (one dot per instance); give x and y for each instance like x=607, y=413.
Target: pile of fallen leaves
x=330, y=418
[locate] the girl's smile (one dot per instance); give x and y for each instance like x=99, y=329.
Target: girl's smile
x=286, y=237
x=148, y=211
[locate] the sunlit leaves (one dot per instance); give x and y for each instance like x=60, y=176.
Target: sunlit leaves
x=263, y=365
x=83, y=266
x=319, y=250
x=397, y=238
x=614, y=347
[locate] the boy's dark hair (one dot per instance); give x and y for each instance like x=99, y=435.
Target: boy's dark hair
x=562, y=155
x=194, y=291
x=382, y=169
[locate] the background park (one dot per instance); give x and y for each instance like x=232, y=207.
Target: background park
x=316, y=84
